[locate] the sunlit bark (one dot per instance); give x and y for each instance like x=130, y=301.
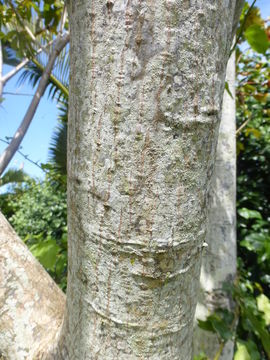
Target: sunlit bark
x=31, y=304
x=219, y=258
x=147, y=80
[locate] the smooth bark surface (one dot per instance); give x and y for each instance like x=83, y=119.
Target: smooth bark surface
x=31, y=304
x=219, y=258
x=147, y=81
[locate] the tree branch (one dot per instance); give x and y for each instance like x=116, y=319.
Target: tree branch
x=17, y=68
x=32, y=305
x=242, y=26
x=241, y=127
x=14, y=71
x=63, y=19
x=53, y=79
x=7, y=155
x=26, y=157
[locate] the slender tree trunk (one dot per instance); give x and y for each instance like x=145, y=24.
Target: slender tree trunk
x=219, y=258
x=31, y=304
x=147, y=80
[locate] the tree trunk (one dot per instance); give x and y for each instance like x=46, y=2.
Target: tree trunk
x=147, y=80
x=31, y=304
x=219, y=258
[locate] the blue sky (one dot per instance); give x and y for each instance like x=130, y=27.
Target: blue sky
x=36, y=142
x=264, y=5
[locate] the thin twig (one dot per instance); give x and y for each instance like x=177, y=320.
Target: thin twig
x=26, y=157
x=63, y=19
x=242, y=27
x=242, y=126
x=14, y=71
x=53, y=79
x=24, y=62
x=59, y=180
x=220, y=349
x=13, y=93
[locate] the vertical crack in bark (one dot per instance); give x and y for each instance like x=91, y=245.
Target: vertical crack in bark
x=166, y=59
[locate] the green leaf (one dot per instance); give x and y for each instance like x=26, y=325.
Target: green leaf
x=241, y=352
x=263, y=304
x=247, y=350
x=253, y=350
x=221, y=328
x=260, y=329
x=257, y=38
x=249, y=214
x=46, y=252
x=61, y=264
x=13, y=176
x=251, y=16
x=228, y=89
x=206, y=325
x=261, y=97
x=217, y=323
x=239, y=147
x=201, y=356
x=258, y=243
x=254, y=132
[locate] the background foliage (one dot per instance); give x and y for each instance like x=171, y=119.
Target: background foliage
x=37, y=210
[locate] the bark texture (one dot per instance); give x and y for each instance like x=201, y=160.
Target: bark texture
x=219, y=258
x=31, y=304
x=147, y=81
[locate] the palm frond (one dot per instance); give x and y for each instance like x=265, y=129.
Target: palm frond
x=58, y=144
x=31, y=73
x=61, y=68
x=58, y=149
x=13, y=176
x=63, y=111
x=10, y=57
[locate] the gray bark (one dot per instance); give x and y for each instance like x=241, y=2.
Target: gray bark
x=31, y=304
x=219, y=258
x=147, y=81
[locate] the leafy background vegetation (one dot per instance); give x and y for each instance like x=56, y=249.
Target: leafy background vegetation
x=37, y=208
